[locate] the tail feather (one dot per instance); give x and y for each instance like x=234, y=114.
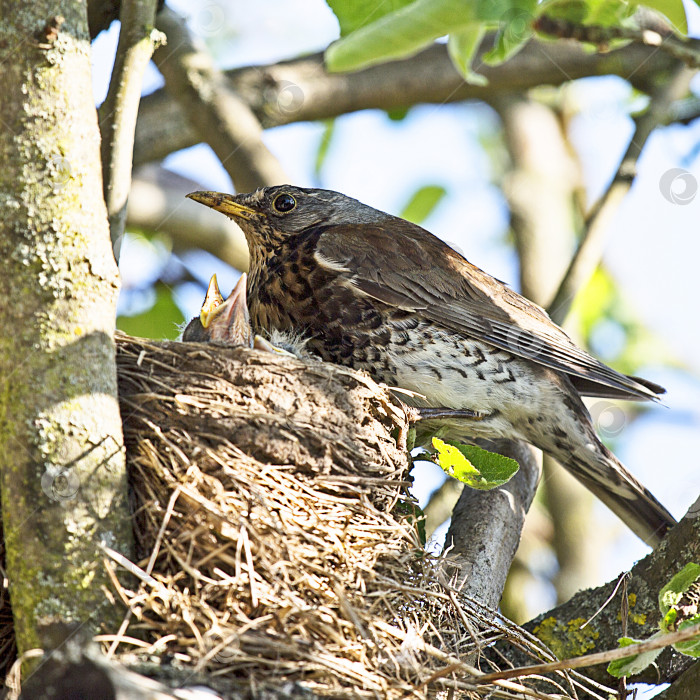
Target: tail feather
x=603, y=474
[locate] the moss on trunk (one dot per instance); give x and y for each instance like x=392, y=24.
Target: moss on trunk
x=61, y=447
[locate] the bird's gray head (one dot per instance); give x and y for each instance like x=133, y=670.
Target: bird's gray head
x=272, y=213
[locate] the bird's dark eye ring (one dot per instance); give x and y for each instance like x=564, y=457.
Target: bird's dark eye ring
x=284, y=203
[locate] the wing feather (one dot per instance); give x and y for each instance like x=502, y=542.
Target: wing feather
x=430, y=279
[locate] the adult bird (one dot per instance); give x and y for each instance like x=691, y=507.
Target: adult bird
x=375, y=292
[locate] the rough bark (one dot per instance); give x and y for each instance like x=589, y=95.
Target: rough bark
x=302, y=90
x=560, y=628
x=61, y=449
x=486, y=525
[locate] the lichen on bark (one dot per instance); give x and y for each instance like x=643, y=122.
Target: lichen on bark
x=63, y=479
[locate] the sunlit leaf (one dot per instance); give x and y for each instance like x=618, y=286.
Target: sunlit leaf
x=680, y=597
x=673, y=591
x=515, y=28
x=400, y=33
x=353, y=14
x=691, y=647
x=474, y=466
x=422, y=203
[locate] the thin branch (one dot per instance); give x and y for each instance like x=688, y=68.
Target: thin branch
x=561, y=627
x=157, y=203
x=441, y=504
x=683, y=49
x=217, y=114
x=598, y=658
x=137, y=40
x=302, y=90
x=598, y=223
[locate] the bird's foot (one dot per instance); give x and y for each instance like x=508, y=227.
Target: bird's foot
x=260, y=343
x=442, y=413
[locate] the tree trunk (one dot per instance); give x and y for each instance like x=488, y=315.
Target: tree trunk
x=63, y=475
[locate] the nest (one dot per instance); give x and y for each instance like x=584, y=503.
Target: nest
x=278, y=548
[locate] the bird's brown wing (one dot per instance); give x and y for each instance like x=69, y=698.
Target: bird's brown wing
x=429, y=278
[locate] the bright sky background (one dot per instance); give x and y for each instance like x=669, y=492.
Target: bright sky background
x=653, y=251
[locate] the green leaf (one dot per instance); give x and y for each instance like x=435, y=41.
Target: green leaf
x=400, y=33
x=353, y=14
x=474, y=466
x=594, y=300
x=397, y=114
x=599, y=12
x=673, y=10
x=672, y=592
x=324, y=145
x=422, y=203
x=691, y=647
x=606, y=13
x=161, y=321
x=462, y=46
x=632, y=664
x=515, y=28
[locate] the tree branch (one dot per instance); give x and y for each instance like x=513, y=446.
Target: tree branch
x=117, y=114
x=440, y=505
x=63, y=475
x=540, y=189
x=302, y=90
x=486, y=525
x=561, y=628
x=213, y=109
x=157, y=203
x=599, y=221
x=685, y=50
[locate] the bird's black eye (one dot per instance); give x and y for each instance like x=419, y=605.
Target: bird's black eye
x=284, y=203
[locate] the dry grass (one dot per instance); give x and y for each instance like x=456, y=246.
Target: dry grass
x=269, y=497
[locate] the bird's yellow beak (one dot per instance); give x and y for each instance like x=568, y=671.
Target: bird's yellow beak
x=225, y=203
x=212, y=301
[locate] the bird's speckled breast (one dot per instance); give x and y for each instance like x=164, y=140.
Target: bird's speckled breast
x=288, y=289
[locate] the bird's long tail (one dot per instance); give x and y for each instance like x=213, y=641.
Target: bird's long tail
x=603, y=474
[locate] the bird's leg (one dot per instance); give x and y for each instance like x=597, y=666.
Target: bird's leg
x=260, y=343
x=416, y=414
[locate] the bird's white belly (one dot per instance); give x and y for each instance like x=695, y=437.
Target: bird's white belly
x=494, y=383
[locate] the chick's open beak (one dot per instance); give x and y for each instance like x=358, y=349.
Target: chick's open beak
x=227, y=321
x=225, y=203
x=212, y=301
